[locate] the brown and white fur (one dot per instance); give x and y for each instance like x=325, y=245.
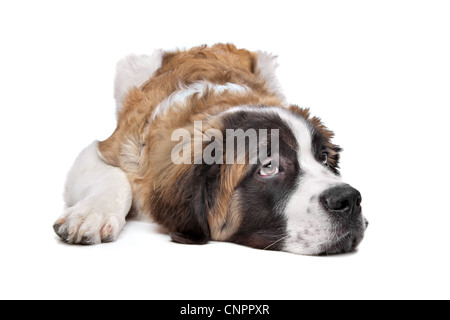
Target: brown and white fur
x=302, y=207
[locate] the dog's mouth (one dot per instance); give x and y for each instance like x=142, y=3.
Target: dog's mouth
x=346, y=245
x=348, y=242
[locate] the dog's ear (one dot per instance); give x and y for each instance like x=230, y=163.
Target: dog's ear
x=202, y=193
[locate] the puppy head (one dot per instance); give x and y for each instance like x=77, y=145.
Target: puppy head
x=290, y=199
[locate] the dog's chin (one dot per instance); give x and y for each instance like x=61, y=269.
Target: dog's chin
x=346, y=244
x=347, y=237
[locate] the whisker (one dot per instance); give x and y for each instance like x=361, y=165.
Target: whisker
x=274, y=243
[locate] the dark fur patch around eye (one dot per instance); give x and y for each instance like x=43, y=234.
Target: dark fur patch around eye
x=263, y=224
x=320, y=145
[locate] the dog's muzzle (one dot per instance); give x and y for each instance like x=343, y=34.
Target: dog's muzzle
x=343, y=206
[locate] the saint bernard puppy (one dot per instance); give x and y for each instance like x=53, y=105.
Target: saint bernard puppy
x=171, y=108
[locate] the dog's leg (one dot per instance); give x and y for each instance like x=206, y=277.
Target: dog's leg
x=98, y=198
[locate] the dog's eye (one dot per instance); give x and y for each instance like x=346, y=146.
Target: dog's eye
x=324, y=158
x=269, y=171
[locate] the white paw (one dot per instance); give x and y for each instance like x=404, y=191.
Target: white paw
x=88, y=225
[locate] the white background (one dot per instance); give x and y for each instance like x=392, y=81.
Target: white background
x=377, y=72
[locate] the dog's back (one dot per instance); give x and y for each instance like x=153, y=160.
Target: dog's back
x=168, y=90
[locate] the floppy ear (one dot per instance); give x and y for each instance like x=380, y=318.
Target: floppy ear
x=195, y=228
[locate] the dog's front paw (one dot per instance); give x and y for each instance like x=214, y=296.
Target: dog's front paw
x=84, y=224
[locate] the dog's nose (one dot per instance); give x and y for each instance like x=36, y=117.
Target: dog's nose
x=342, y=200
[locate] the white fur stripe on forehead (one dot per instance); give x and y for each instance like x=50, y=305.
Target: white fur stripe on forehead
x=133, y=71
x=303, y=132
